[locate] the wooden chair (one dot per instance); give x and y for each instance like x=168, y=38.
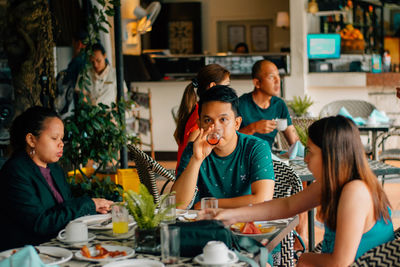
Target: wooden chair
x=147, y=169
x=287, y=183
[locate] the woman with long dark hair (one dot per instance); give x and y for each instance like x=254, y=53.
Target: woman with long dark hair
x=354, y=207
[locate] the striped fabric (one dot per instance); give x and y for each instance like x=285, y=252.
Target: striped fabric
x=287, y=183
x=147, y=168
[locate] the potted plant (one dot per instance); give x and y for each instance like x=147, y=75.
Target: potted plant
x=300, y=105
x=302, y=132
x=95, y=132
x=148, y=217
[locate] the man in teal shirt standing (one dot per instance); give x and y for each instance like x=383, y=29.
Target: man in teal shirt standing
x=262, y=106
x=238, y=171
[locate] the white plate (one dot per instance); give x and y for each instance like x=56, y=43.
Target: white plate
x=129, y=253
x=232, y=259
x=62, y=254
x=135, y=262
x=108, y=235
x=94, y=221
x=180, y=212
x=90, y=238
x=262, y=236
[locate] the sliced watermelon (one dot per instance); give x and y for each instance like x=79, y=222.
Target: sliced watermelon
x=250, y=228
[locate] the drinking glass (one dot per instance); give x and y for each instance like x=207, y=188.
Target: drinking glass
x=214, y=136
x=209, y=203
x=170, y=243
x=119, y=214
x=170, y=217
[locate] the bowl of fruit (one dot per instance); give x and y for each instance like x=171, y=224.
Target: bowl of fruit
x=257, y=230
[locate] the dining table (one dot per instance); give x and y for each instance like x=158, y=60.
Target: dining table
x=300, y=167
x=375, y=130
x=106, y=238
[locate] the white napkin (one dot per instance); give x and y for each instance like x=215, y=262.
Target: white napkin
x=379, y=116
x=358, y=120
x=25, y=257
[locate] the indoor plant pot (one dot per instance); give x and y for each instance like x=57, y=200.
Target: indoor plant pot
x=148, y=216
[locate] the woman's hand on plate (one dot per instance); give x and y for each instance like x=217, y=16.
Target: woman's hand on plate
x=102, y=205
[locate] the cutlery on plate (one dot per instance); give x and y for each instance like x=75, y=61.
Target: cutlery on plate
x=48, y=254
x=101, y=222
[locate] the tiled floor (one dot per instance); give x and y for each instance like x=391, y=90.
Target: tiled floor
x=391, y=187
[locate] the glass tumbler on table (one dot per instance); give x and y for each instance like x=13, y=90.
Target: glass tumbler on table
x=170, y=244
x=119, y=214
x=170, y=204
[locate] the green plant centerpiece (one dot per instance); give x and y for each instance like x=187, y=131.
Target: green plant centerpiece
x=300, y=105
x=148, y=217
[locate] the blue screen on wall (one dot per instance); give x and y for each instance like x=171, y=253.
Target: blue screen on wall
x=323, y=46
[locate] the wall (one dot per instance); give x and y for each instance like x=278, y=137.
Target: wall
x=220, y=10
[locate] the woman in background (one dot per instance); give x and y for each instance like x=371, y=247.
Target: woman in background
x=36, y=199
x=187, y=129
x=354, y=207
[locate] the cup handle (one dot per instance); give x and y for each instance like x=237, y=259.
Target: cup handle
x=61, y=234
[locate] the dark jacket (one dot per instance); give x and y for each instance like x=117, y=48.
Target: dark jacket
x=30, y=212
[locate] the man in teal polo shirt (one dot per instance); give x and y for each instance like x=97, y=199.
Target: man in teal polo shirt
x=238, y=170
x=259, y=108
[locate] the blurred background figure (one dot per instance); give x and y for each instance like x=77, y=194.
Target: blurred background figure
x=241, y=48
x=65, y=99
x=103, y=81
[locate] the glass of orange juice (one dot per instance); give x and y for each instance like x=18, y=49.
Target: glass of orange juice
x=119, y=214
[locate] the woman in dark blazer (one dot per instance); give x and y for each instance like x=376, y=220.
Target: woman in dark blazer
x=36, y=199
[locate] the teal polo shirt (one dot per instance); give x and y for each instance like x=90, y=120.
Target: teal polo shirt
x=232, y=176
x=251, y=112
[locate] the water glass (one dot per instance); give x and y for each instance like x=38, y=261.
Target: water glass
x=209, y=203
x=119, y=214
x=170, y=244
x=169, y=202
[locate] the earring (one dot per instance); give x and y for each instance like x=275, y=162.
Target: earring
x=32, y=152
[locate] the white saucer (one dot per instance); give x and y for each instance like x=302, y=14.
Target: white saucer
x=232, y=259
x=91, y=237
x=135, y=263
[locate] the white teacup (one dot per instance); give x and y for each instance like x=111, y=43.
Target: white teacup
x=76, y=231
x=216, y=252
x=281, y=124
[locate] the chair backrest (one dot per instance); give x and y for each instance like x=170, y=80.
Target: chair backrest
x=356, y=108
x=301, y=122
x=147, y=168
x=387, y=254
x=287, y=183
